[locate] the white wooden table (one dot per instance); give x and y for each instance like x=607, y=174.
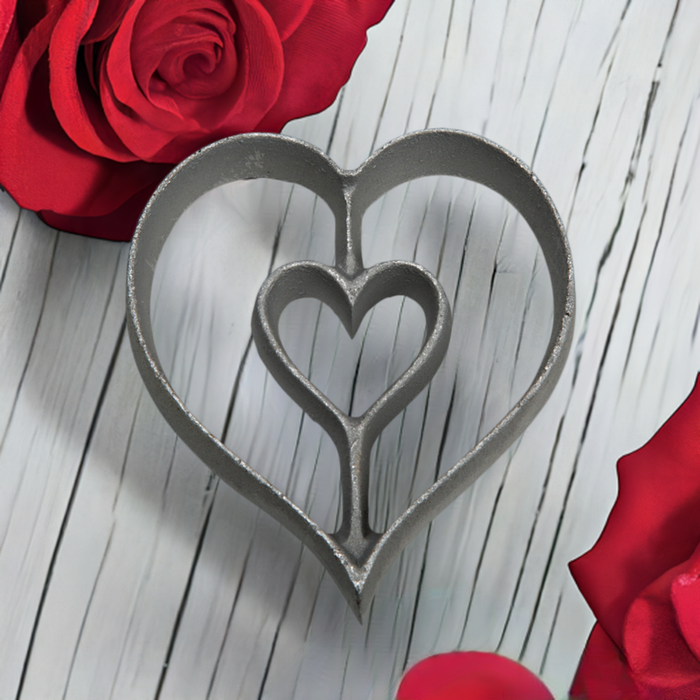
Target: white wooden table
x=128, y=571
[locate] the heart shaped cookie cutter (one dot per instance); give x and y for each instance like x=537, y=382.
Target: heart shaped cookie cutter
x=355, y=556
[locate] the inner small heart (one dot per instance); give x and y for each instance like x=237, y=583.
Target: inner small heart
x=352, y=297
x=353, y=371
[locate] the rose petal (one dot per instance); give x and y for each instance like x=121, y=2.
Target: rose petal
x=108, y=17
x=77, y=110
x=685, y=597
x=163, y=37
x=261, y=57
x=170, y=128
x=602, y=672
x=329, y=24
x=287, y=16
x=31, y=12
x=7, y=18
x=143, y=127
x=658, y=657
x=118, y=225
x=40, y=166
x=654, y=524
x=471, y=674
x=9, y=39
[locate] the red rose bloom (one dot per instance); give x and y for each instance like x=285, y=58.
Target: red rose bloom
x=101, y=97
x=472, y=675
x=641, y=579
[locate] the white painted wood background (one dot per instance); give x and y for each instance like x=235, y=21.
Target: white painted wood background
x=127, y=571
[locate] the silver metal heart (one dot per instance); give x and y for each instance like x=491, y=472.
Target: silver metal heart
x=356, y=558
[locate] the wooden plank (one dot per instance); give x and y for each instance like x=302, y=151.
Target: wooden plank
x=62, y=315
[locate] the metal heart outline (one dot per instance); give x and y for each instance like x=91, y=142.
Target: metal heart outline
x=348, y=194
x=351, y=298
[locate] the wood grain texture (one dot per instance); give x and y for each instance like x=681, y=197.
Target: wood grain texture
x=128, y=571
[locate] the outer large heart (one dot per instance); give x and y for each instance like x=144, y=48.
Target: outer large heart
x=357, y=567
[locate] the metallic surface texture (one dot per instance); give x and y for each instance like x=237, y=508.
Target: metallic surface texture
x=355, y=556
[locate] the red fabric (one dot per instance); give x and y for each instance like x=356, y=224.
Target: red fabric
x=473, y=675
x=641, y=577
x=101, y=97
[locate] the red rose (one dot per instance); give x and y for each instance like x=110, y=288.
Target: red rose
x=101, y=97
x=471, y=674
x=641, y=579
